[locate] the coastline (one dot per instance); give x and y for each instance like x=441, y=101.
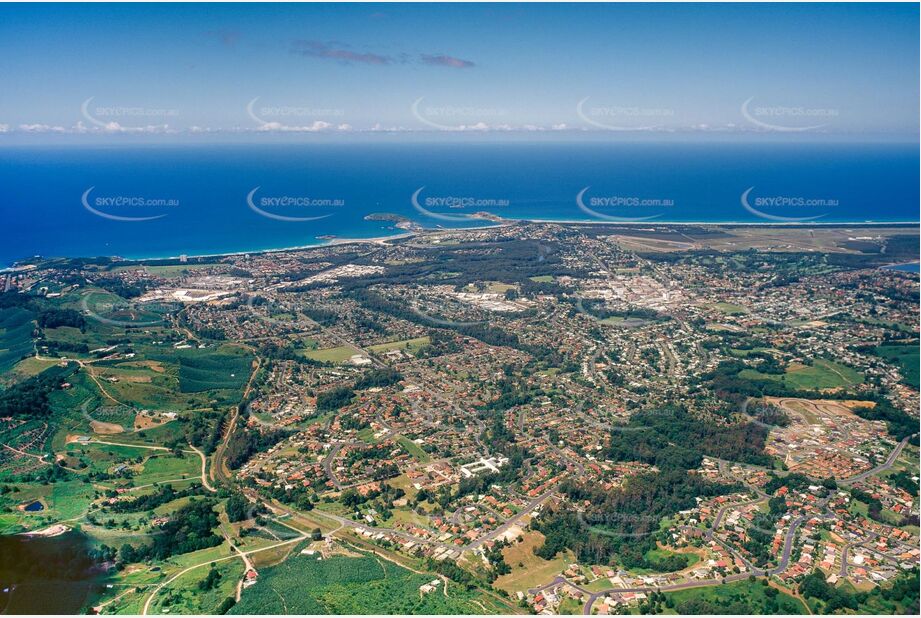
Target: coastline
x=492, y=225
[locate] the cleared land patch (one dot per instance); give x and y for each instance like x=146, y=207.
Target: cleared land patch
x=409, y=345
x=345, y=585
x=822, y=374
x=906, y=358
x=528, y=569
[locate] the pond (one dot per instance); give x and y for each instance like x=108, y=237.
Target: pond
x=34, y=507
x=48, y=575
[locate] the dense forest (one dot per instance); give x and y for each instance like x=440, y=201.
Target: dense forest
x=29, y=398
x=149, y=502
x=245, y=442
x=53, y=318
x=623, y=524
x=334, y=399
x=378, y=378
x=189, y=529
x=673, y=438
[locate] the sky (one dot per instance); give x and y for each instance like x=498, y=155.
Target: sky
x=214, y=69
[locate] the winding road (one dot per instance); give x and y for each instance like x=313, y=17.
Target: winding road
x=150, y=447
x=204, y=466
x=880, y=468
x=146, y=610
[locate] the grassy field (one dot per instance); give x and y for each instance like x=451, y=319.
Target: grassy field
x=414, y=449
x=70, y=498
x=529, y=570
x=405, y=515
x=906, y=358
x=660, y=554
x=108, y=306
x=497, y=287
x=187, y=596
x=752, y=595
x=570, y=607
x=409, y=345
x=166, y=467
x=331, y=355
x=31, y=366
x=143, y=466
x=821, y=374
x=729, y=308
x=349, y=585
x=367, y=435
x=161, y=434
x=738, y=353
x=62, y=500
x=168, y=271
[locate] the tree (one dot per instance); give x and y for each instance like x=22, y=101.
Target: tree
x=237, y=508
x=126, y=554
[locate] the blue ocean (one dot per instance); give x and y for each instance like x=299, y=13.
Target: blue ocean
x=159, y=201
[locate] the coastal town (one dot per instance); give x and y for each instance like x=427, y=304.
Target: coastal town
x=596, y=419
x=582, y=308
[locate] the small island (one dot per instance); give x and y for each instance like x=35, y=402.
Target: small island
x=399, y=221
x=487, y=216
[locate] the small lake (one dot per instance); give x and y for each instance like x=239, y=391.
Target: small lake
x=34, y=507
x=48, y=575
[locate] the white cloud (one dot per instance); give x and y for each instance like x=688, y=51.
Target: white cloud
x=314, y=127
x=480, y=126
x=378, y=127
x=41, y=128
x=82, y=129
x=321, y=126
x=114, y=127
